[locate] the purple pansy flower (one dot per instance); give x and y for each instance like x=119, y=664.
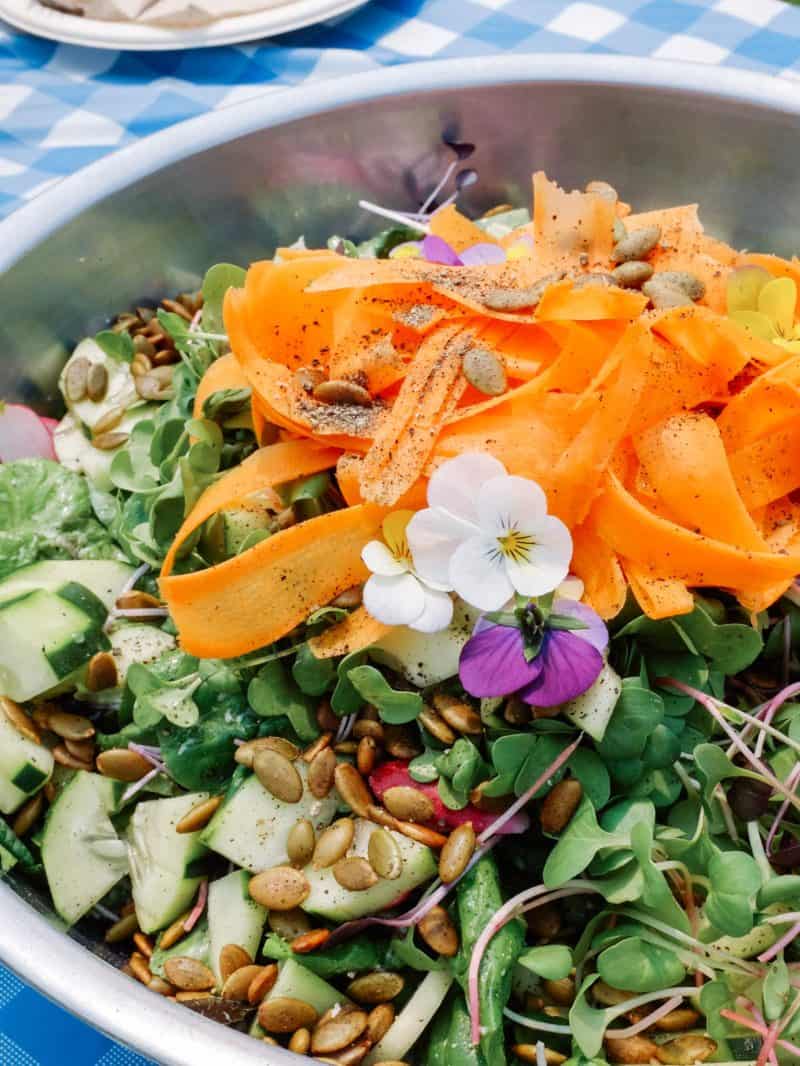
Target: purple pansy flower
x=535, y=653
x=435, y=249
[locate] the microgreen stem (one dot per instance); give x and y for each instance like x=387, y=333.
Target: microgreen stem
x=727, y=813
x=196, y=911
x=724, y=958
x=394, y=216
x=443, y=181
x=692, y=787
x=137, y=786
x=792, y=781
x=541, y=1057
x=779, y=945
x=648, y=1020
x=543, y=778
x=757, y=848
x=534, y=1023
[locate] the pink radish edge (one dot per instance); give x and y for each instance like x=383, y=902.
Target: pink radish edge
x=23, y=434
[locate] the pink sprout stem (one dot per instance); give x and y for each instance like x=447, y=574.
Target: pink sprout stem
x=526, y=796
x=710, y=705
x=198, y=908
x=792, y=781
x=648, y=1020
x=137, y=786
x=767, y=711
x=779, y=945
x=517, y=905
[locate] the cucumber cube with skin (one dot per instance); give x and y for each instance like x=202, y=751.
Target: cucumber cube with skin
x=24, y=766
x=234, y=917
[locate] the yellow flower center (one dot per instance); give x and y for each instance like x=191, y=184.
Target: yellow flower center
x=394, y=534
x=516, y=545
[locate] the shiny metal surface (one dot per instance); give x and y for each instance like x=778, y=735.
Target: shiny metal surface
x=233, y=184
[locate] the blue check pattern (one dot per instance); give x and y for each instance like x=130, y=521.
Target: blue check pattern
x=62, y=107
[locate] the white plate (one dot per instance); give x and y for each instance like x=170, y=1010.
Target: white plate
x=43, y=21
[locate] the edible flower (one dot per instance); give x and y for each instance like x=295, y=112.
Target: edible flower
x=765, y=305
x=487, y=534
x=545, y=654
x=395, y=594
x=435, y=249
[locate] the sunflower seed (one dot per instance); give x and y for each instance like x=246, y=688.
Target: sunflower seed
x=459, y=715
x=262, y=984
x=384, y=855
x=633, y=1049
x=71, y=726
x=300, y=1042
x=310, y=941
x=437, y=726
x=282, y=1014
x=456, y=853
x=408, y=804
x=366, y=755
x=108, y=442
x=122, y=930
x=28, y=814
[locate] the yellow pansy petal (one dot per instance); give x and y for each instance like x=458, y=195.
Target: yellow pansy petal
x=757, y=323
x=394, y=532
x=520, y=250
x=405, y=251
x=744, y=285
x=790, y=346
x=777, y=300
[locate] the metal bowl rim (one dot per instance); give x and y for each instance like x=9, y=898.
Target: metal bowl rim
x=31, y=945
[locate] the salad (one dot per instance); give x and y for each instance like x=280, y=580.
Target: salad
x=399, y=641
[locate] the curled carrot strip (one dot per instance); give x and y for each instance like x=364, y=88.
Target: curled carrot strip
x=353, y=633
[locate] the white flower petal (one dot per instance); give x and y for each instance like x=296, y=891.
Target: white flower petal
x=377, y=558
x=479, y=576
x=454, y=486
x=507, y=503
x=548, y=561
x=437, y=615
x=571, y=588
x=433, y=536
x=395, y=601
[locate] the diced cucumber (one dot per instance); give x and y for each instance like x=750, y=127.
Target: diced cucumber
x=329, y=900
x=166, y=867
x=227, y=531
x=233, y=916
x=296, y=982
x=45, y=637
x=76, y=451
x=83, y=856
x=252, y=826
x=413, y=1019
x=427, y=658
x=136, y=643
x=592, y=710
x=194, y=945
x=24, y=766
x=120, y=391
x=103, y=577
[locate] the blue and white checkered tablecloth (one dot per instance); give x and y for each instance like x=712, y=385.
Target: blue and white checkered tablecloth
x=62, y=107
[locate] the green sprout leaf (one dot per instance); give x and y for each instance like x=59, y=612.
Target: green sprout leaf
x=551, y=961
x=394, y=707
x=116, y=345
x=219, y=278
x=638, y=966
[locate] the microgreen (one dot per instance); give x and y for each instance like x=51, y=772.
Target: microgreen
x=271, y=693
x=116, y=345
x=394, y=707
x=219, y=278
x=551, y=961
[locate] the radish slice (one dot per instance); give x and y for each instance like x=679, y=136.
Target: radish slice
x=50, y=423
x=23, y=435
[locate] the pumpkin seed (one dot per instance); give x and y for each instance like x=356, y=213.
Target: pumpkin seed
x=21, y=721
x=308, y=377
x=110, y=419
x=561, y=992
x=246, y=752
x=101, y=672
x=121, y=764
x=301, y=841
x=64, y=757
x=408, y=804
x=340, y=391
x=319, y=745
x=458, y=714
x=282, y=1014
x=81, y=749
x=678, y=1020
x=108, y=442
x=140, y=364
x=28, y=814
x=160, y=986
x=664, y=296
x=355, y=874
x=505, y=299
x=636, y=244
x=350, y=597
x=189, y=975
x=96, y=382
x=353, y=1055
x=139, y=968
x=456, y=853
x=262, y=984
x=597, y=278
x=339, y=1032
x=175, y=932
x=380, y=1022
x=437, y=726
x=199, y=816
x=232, y=957
x=352, y=788
x=289, y=924
x=237, y=983
x=439, y=933
x=144, y=944
x=373, y=988
x=485, y=371
x=280, y=889
x=603, y=189
x=683, y=279
x=633, y=1049
x=137, y=601
x=686, y=1050
x=633, y=274
x=76, y=379
x=366, y=727
x=620, y=230
x=384, y=855
x=334, y=843
x=300, y=1041
x=310, y=941
x=608, y=996
x=560, y=804
x=366, y=755
x=71, y=726
x=278, y=776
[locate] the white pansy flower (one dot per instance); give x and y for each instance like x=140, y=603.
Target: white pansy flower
x=395, y=594
x=487, y=534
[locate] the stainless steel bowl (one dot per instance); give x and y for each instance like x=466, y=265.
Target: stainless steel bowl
x=232, y=185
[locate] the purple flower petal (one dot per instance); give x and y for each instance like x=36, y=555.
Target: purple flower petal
x=595, y=633
x=570, y=664
x=493, y=662
x=481, y=254
x=437, y=250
